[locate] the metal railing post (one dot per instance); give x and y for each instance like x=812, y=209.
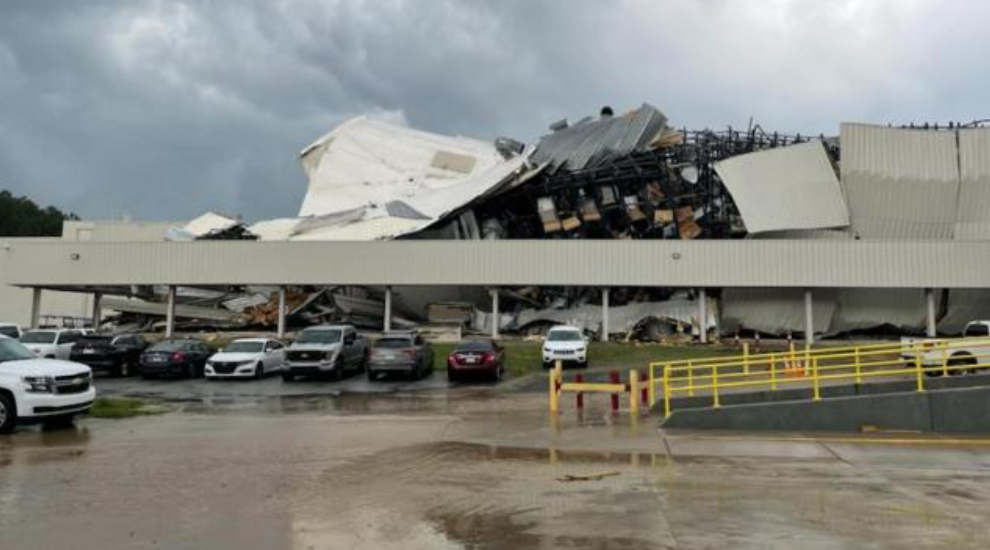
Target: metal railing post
x=773, y=372
x=859, y=366
x=690, y=369
x=919, y=367
x=814, y=374
x=746, y=358
x=945, y=358
x=634, y=392
x=653, y=387
x=555, y=376
x=666, y=391
x=716, y=403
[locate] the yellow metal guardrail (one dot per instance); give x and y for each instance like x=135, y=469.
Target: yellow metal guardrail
x=814, y=368
x=557, y=387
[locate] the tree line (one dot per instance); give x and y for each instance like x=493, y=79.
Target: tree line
x=21, y=217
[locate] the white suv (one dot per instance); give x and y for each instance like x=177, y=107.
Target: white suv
x=53, y=343
x=40, y=390
x=566, y=344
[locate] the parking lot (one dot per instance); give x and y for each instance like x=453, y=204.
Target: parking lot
x=403, y=464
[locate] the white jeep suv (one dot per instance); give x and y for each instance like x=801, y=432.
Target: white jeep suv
x=40, y=390
x=566, y=344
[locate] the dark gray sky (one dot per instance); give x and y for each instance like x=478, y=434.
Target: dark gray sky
x=165, y=109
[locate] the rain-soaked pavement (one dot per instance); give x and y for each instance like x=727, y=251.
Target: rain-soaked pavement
x=254, y=467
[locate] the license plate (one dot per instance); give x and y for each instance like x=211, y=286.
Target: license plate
x=88, y=351
x=471, y=360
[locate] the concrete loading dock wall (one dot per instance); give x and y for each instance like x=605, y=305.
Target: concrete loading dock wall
x=951, y=410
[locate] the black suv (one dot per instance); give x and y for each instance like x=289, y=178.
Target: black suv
x=117, y=355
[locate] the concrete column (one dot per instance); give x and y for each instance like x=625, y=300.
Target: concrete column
x=388, y=309
x=703, y=316
x=281, y=312
x=496, y=315
x=36, y=308
x=97, y=310
x=170, y=313
x=932, y=313
x=809, y=317
x=605, y=327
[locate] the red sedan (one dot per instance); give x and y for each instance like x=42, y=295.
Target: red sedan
x=477, y=358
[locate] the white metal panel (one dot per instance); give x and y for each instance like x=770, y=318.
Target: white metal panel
x=775, y=310
x=784, y=189
x=900, y=184
x=973, y=217
x=749, y=263
x=366, y=161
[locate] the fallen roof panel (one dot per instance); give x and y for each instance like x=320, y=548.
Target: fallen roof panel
x=785, y=189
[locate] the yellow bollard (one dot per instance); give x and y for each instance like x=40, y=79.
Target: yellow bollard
x=634, y=392
x=556, y=376
x=814, y=373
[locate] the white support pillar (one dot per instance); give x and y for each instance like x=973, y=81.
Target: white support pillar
x=281, y=312
x=703, y=316
x=97, y=310
x=36, y=308
x=170, y=313
x=605, y=306
x=496, y=315
x=387, y=323
x=932, y=313
x=809, y=317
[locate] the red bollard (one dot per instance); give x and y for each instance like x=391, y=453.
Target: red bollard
x=614, y=377
x=645, y=392
x=580, y=396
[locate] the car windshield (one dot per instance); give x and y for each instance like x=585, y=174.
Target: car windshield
x=394, y=343
x=319, y=336
x=8, y=331
x=245, y=347
x=564, y=336
x=39, y=337
x=480, y=345
x=12, y=350
x=168, y=346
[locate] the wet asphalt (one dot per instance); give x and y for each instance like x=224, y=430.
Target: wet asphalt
x=404, y=464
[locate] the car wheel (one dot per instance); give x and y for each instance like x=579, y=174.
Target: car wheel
x=962, y=360
x=288, y=377
x=8, y=414
x=338, y=369
x=451, y=377
x=259, y=371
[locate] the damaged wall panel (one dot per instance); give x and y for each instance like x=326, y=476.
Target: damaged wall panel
x=775, y=310
x=973, y=216
x=899, y=183
x=784, y=189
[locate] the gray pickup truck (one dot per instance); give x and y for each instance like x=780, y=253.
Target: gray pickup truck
x=326, y=351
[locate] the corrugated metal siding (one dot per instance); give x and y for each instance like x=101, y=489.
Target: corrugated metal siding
x=900, y=184
x=801, y=181
x=751, y=263
x=973, y=218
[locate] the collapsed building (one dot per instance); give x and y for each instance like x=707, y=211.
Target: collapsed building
x=629, y=176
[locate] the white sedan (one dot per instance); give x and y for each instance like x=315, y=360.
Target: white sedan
x=248, y=358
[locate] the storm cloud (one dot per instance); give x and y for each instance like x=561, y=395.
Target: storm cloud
x=166, y=109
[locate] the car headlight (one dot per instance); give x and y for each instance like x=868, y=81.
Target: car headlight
x=245, y=363
x=39, y=384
